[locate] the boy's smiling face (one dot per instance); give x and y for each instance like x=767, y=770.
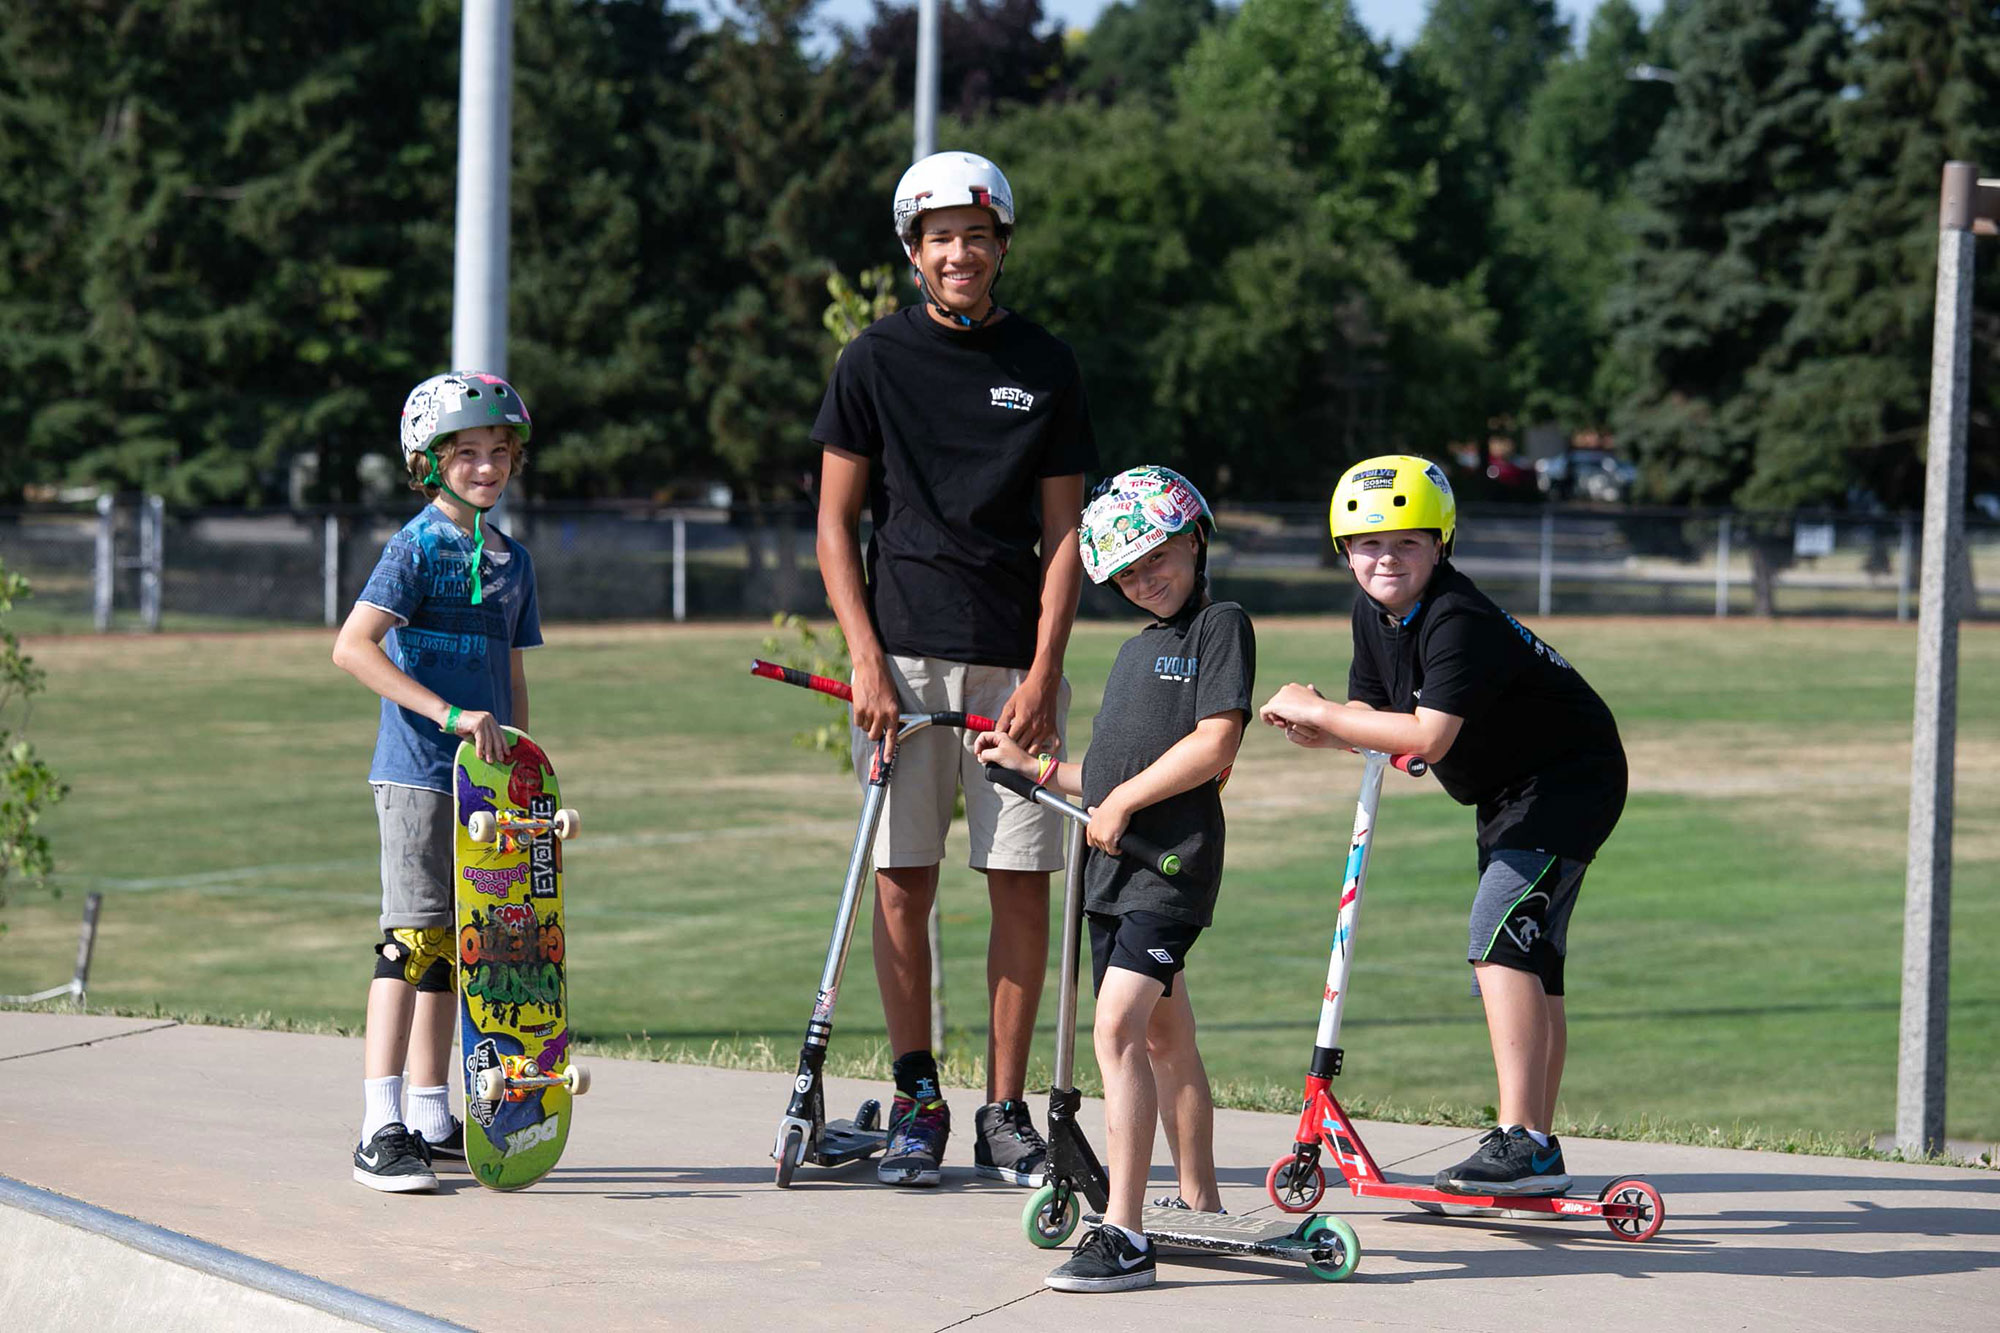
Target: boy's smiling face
x=1161, y=581
x=480, y=461
x=958, y=251
x=1394, y=567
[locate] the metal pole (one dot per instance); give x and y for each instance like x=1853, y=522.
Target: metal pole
x=1906, y=560
x=680, y=568
x=86, y=943
x=485, y=132
x=1722, y=568
x=927, y=80
x=106, y=565
x=1546, y=599
x=1920, y=1064
x=329, y=568
x=152, y=558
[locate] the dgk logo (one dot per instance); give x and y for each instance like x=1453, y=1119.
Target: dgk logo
x=533, y=1136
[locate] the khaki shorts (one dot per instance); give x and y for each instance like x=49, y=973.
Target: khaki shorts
x=1007, y=832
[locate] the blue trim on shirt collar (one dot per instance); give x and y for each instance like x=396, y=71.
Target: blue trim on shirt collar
x=1405, y=621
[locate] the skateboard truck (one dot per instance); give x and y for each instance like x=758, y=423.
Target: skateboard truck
x=516, y=1076
x=512, y=829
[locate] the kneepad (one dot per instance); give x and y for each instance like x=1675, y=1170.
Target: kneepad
x=425, y=958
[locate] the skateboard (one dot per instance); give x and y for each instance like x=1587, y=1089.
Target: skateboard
x=513, y=992
x=1325, y=1245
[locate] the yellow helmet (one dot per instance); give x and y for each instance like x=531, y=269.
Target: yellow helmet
x=1391, y=492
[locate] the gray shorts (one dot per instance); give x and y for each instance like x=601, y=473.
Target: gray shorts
x=1520, y=916
x=416, y=855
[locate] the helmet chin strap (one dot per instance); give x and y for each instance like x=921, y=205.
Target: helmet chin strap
x=930, y=297
x=436, y=478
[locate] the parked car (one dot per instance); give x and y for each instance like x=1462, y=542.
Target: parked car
x=1586, y=474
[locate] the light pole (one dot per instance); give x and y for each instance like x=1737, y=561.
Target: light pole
x=1967, y=206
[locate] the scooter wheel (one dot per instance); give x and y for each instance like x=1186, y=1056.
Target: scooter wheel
x=1296, y=1186
x=1335, y=1240
x=1050, y=1216
x=789, y=1153
x=1649, y=1211
x=869, y=1116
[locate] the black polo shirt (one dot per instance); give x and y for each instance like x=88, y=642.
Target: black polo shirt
x=1539, y=754
x=959, y=428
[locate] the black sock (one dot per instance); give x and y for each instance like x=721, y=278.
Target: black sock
x=917, y=1075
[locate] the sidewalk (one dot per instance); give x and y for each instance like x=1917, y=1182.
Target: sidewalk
x=664, y=1214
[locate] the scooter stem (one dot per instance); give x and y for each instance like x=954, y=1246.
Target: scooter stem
x=1071, y=941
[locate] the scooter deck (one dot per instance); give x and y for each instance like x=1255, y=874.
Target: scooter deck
x=1278, y=1237
x=841, y=1142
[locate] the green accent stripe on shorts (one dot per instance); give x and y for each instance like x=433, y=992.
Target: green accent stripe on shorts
x=1488, y=951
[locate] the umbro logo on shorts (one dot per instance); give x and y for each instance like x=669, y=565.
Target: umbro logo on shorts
x=1160, y=956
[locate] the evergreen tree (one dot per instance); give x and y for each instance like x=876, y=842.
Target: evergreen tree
x=1132, y=49
x=1853, y=413
x=990, y=53
x=1742, y=177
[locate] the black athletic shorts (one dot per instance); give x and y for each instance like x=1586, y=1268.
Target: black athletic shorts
x=1144, y=942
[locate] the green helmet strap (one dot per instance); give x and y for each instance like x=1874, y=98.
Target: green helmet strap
x=436, y=478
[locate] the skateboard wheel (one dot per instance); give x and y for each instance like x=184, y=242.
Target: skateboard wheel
x=479, y=826
x=790, y=1149
x=1050, y=1217
x=577, y=1077
x=490, y=1085
x=869, y=1116
x=1648, y=1210
x=1334, y=1238
x=568, y=824
x=1296, y=1186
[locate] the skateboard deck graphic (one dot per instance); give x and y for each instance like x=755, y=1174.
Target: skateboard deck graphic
x=512, y=984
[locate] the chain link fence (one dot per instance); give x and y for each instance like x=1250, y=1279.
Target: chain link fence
x=135, y=564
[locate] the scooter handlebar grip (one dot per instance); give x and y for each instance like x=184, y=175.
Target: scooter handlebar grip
x=1132, y=845
x=805, y=680
x=1412, y=764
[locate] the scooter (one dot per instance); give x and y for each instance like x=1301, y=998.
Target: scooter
x=1327, y=1246
x=805, y=1136
x=1631, y=1207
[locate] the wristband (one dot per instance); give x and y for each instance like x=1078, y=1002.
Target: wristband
x=1047, y=766
x=451, y=721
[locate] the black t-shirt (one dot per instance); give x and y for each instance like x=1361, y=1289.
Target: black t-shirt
x=1168, y=677
x=959, y=428
x=1539, y=753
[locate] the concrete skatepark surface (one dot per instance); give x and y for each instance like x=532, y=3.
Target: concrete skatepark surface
x=664, y=1214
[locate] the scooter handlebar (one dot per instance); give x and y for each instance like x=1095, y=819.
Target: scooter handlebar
x=1412, y=764
x=1134, y=845
x=838, y=689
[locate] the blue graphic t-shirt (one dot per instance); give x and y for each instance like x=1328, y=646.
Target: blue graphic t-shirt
x=443, y=641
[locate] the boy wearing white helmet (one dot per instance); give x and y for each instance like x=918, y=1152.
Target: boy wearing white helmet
x=1175, y=705
x=1508, y=726
x=964, y=428
x=438, y=632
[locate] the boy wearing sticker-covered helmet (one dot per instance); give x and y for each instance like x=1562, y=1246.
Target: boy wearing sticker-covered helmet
x=1175, y=705
x=1510, y=727
x=963, y=428
x=438, y=632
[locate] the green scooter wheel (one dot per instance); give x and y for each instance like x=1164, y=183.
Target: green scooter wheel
x=1050, y=1217
x=1341, y=1244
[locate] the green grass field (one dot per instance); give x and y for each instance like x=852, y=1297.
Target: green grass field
x=1735, y=961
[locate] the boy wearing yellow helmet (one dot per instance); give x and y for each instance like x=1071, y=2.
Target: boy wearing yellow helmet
x=1509, y=727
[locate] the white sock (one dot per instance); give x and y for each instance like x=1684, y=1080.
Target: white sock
x=1140, y=1241
x=1505, y=1130
x=1541, y=1140
x=430, y=1112
x=381, y=1104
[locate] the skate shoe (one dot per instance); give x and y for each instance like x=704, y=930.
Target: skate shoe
x=1007, y=1146
x=452, y=1145
x=1106, y=1261
x=1508, y=1162
x=395, y=1161
x=915, y=1148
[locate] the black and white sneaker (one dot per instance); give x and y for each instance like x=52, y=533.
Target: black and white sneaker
x=1007, y=1146
x=452, y=1145
x=395, y=1161
x=1176, y=1201
x=1106, y=1261
x=1508, y=1162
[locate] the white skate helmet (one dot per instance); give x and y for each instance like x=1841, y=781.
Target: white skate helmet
x=952, y=180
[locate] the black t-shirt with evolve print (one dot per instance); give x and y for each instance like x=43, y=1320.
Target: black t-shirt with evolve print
x=959, y=428
x=1539, y=753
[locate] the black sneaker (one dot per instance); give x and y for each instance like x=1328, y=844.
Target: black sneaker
x=1508, y=1162
x=917, y=1135
x=1106, y=1261
x=1007, y=1145
x=452, y=1145
x=1178, y=1202
x=395, y=1161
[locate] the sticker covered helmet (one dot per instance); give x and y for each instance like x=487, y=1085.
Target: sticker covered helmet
x=459, y=401
x=1134, y=512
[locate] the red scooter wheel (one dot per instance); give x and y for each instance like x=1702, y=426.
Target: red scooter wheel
x=1295, y=1184
x=1648, y=1211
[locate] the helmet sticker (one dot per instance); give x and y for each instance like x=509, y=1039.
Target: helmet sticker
x=1437, y=478
x=1376, y=479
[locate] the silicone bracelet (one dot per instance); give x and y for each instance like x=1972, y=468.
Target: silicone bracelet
x=1048, y=767
x=451, y=721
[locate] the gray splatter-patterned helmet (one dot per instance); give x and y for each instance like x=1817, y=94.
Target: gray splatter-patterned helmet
x=459, y=401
